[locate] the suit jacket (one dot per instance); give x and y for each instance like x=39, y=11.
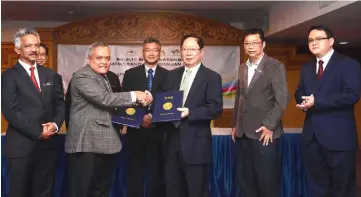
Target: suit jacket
x=331, y=120
x=205, y=103
x=26, y=109
x=114, y=83
x=92, y=105
x=263, y=102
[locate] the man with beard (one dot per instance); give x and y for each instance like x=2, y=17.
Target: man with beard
x=144, y=145
x=32, y=102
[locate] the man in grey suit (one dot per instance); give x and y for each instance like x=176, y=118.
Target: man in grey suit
x=261, y=98
x=92, y=143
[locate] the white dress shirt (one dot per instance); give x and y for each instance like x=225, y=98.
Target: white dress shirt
x=27, y=68
x=191, y=77
x=252, y=68
x=325, y=60
x=147, y=68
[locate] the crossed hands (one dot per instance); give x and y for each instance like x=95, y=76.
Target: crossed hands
x=49, y=129
x=307, y=102
x=144, y=98
x=266, y=135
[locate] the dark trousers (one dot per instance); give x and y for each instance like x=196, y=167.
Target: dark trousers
x=33, y=175
x=258, y=167
x=330, y=173
x=90, y=174
x=182, y=179
x=144, y=161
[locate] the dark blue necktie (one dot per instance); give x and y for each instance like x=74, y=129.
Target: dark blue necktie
x=150, y=79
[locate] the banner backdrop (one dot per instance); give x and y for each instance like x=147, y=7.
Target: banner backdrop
x=222, y=59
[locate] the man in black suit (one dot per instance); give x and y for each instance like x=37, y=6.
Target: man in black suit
x=114, y=84
x=144, y=145
x=33, y=104
x=189, y=142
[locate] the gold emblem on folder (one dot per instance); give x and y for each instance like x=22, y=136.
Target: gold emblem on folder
x=167, y=106
x=130, y=111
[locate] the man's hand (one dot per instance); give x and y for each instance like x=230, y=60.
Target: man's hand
x=49, y=129
x=145, y=98
x=266, y=135
x=185, y=111
x=308, y=102
x=234, y=135
x=124, y=130
x=147, y=121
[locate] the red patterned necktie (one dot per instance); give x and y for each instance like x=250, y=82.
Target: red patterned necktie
x=320, y=69
x=32, y=76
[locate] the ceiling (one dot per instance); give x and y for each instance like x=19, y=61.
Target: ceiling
x=345, y=21
x=224, y=11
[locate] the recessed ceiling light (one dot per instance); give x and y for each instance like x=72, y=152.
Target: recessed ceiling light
x=70, y=12
x=343, y=42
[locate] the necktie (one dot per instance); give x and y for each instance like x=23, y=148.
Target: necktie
x=150, y=79
x=32, y=76
x=320, y=69
x=185, y=85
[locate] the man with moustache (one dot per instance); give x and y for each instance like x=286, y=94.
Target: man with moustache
x=92, y=142
x=261, y=98
x=144, y=145
x=189, y=141
x=32, y=102
x=328, y=89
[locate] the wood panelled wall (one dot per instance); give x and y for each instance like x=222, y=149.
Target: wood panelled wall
x=133, y=27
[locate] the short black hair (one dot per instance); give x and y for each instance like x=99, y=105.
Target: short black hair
x=46, y=48
x=151, y=40
x=253, y=31
x=324, y=28
x=200, y=40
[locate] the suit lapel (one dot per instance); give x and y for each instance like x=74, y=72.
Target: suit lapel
x=157, y=78
x=257, y=74
x=243, y=77
x=143, y=77
x=42, y=79
x=179, y=76
x=27, y=79
x=198, y=79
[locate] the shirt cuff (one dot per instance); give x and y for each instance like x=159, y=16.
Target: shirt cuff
x=134, y=97
x=57, y=128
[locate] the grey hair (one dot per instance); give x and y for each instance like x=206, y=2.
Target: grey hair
x=95, y=45
x=23, y=32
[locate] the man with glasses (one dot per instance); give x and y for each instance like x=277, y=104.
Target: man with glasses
x=144, y=145
x=261, y=98
x=189, y=141
x=328, y=89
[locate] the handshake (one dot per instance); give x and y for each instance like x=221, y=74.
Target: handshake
x=144, y=98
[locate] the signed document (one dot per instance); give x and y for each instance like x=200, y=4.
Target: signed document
x=166, y=104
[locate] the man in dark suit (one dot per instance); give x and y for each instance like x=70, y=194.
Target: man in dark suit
x=32, y=102
x=261, y=98
x=328, y=89
x=92, y=142
x=144, y=145
x=189, y=142
x=114, y=83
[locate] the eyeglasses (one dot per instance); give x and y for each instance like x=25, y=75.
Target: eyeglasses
x=248, y=44
x=191, y=50
x=151, y=50
x=317, y=40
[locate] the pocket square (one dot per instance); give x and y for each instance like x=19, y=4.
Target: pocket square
x=48, y=84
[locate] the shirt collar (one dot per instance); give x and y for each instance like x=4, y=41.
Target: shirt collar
x=147, y=68
x=249, y=63
x=326, y=58
x=193, y=69
x=27, y=66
